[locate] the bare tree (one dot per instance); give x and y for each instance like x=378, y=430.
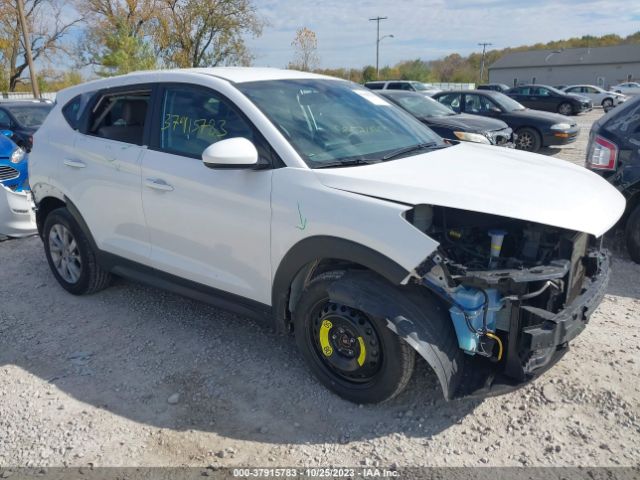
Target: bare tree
x=48, y=25
x=305, y=46
x=198, y=33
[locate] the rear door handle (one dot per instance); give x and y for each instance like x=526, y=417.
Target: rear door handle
x=158, y=184
x=74, y=163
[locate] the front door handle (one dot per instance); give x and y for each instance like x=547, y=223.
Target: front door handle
x=74, y=163
x=158, y=184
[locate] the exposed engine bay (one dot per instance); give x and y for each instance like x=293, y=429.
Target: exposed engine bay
x=508, y=283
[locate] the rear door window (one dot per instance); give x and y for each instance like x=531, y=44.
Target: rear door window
x=540, y=92
x=474, y=103
x=121, y=116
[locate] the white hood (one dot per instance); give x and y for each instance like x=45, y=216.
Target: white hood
x=493, y=180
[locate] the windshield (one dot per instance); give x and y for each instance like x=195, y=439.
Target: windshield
x=420, y=106
x=508, y=104
x=30, y=116
x=421, y=86
x=332, y=122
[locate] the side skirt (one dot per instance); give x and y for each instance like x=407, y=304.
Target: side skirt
x=197, y=291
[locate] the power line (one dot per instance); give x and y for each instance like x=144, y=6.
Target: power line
x=484, y=48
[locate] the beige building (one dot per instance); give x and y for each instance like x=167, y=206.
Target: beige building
x=602, y=66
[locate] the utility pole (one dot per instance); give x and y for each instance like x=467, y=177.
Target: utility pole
x=27, y=48
x=377, y=20
x=484, y=48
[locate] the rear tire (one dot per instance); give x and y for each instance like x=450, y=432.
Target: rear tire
x=632, y=234
x=387, y=360
x=70, y=255
x=528, y=140
x=565, y=108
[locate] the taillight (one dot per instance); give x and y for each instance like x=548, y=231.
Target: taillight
x=602, y=154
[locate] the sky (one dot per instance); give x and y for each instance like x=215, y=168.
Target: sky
x=429, y=29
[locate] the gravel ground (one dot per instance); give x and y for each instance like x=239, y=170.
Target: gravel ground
x=135, y=376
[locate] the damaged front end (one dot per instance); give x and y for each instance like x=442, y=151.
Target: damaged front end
x=517, y=291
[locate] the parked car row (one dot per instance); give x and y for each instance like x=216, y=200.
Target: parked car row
x=449, y=124
x=534, y=129
x=19, y=120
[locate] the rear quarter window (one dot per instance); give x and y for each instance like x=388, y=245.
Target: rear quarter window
x=72, y=111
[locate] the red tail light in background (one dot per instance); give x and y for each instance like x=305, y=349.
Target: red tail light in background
x=603, y=154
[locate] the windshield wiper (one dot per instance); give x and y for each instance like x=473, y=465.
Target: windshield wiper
x=347, y=163
x=413, y=148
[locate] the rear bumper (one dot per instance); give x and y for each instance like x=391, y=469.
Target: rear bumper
x=17, y=216
x=547, y=342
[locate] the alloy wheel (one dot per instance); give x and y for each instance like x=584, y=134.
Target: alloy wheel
x=65, y=253
x=565, y=109
x=525, y=141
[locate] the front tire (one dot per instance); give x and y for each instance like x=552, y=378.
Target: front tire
x=528, y=140
x=607, y=103
x=70, y=255
x=565, y=108
x=352, y=353
x=632, y=235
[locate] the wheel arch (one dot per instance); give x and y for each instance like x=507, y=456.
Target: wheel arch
x=51, y=202
x=45, y=207
x=314, y=255
x=412, y=313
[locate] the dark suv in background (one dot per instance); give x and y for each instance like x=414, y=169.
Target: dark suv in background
x=614, y=152
x=549, y=99
x=23, y=118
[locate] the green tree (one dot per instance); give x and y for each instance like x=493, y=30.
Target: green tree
x=368, y=73
x=123, y=53
x=118, y=38
x=197, y=33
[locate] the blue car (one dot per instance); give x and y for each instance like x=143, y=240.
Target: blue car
x=13, y=164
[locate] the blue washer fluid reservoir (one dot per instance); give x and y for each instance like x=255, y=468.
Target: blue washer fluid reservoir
x=472, y=300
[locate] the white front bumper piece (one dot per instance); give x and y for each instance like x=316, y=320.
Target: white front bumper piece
x=17, y=214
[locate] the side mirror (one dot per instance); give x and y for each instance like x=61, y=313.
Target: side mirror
x=6, y=133
x=231, y=153
x=495, y=111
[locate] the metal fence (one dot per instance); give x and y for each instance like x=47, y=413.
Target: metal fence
x=454, y=86
x=26, y=96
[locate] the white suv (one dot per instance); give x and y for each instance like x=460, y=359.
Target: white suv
x=313, y=203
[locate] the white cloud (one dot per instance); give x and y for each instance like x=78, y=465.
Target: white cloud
x=430, y=29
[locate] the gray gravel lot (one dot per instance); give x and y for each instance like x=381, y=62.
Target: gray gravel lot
x=137, y=376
